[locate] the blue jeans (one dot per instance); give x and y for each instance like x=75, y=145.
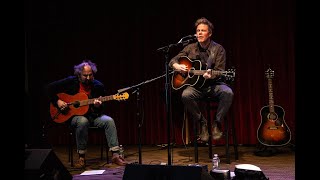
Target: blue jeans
x=221, y=92
x=81, y=124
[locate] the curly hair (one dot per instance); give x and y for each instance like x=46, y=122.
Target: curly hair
x=78, y=68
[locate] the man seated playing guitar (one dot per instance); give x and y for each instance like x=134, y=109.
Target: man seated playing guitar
x=82, y=84
x=212, y=58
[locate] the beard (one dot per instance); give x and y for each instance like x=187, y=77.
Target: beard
x=87, y=82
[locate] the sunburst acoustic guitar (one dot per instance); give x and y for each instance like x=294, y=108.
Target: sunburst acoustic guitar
x=193, y=77
x=273, y=130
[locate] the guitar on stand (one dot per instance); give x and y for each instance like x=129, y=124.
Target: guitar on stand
x=273, y=130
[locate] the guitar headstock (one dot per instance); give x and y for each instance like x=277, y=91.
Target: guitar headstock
x=122, y=96
x=269, y=73
x=229, y=74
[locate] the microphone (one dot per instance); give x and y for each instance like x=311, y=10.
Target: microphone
x=183, y=41
x=123, y=89
x=190, y=37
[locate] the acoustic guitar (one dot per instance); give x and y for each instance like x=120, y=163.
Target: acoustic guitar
x=193, y=77
x=78, y=105
x=273, y=130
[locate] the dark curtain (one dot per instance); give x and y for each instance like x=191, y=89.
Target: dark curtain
x=123, y=41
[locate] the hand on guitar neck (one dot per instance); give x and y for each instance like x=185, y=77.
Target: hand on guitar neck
x=63, y=106
x=209, y=74
x=184, y=69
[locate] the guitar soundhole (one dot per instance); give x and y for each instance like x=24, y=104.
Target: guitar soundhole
x=76, y=104
x=190, y=73
x=272, y=116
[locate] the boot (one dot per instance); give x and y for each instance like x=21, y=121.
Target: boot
x=81, y=163
x=118, y=160
x=204, y=136
x=216, y=130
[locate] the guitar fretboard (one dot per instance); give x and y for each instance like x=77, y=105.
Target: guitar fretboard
x=90, y=101
x=201, y=72
x=271, y=101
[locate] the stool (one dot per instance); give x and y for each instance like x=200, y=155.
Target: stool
x=211, y=104
x=102, y=139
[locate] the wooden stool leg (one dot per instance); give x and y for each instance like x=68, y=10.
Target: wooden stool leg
x=209, y=129
x=227, y=140
x=107, y=154
x=195, y=129
x=186, y=122
x=71, y=147
x=102, y=145
x=235, y=142
x=107, y=150
x=227, y=131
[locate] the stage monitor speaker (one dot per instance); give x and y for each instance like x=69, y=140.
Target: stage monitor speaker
x=44, y=164
x=164, y=172
x=248, y=172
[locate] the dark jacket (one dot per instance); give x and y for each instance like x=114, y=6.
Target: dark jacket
x=212, y=58
x=216, y=55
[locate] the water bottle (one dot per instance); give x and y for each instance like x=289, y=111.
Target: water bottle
x=215, y=161
x=121, y=151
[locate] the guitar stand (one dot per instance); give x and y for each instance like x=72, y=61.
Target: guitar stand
x=266, y=151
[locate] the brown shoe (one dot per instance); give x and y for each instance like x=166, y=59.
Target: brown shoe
x=204, y=136
x=80, y=164
x=118, y=160
x=216, y=132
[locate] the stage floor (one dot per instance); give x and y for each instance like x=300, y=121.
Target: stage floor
x=280, y=165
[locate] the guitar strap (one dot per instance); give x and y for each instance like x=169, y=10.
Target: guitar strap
x=210, y=60
x=206, y=58
x=203, y=57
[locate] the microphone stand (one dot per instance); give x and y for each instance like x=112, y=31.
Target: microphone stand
x=136, y=89
x=165, y=50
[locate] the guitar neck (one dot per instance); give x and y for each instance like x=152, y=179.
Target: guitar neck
x=271, y=100
x=91, y=101
x=201, y=72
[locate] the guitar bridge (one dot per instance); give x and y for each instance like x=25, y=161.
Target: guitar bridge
x=273, y=128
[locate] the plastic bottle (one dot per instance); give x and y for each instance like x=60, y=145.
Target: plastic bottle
x=215, y=161
x=121, y=151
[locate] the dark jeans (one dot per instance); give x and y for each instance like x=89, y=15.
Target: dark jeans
x=81, y=124
x=221, y=92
